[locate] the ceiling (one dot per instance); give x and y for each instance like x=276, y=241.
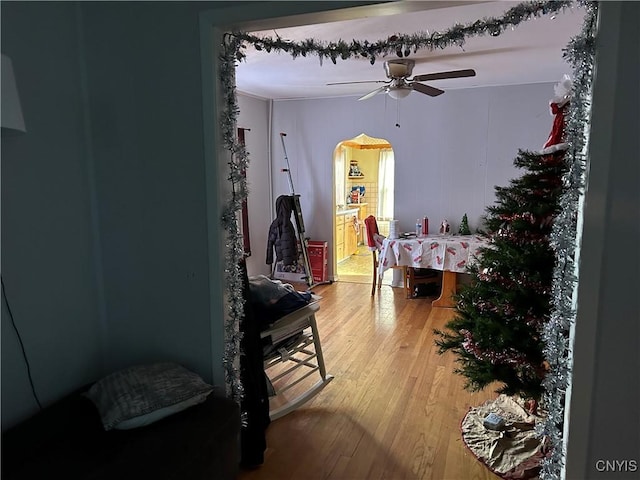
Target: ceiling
x=530, y=53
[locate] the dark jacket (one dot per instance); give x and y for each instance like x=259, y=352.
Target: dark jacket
x=282, y=235
x=255, y=401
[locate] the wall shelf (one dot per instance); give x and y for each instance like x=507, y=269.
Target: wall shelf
x=356, y=178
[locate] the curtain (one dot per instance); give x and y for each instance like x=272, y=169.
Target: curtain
x=385, y=184
x=340, y=175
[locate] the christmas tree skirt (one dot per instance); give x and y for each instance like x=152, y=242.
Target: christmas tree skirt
x=515, y=451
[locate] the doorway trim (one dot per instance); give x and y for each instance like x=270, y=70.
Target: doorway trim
x=211, y=34
x=362, y=142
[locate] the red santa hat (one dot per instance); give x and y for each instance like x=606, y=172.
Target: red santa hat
x=557, y=106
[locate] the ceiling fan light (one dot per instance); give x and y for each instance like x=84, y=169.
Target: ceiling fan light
x=399, y=67
x=398, y=93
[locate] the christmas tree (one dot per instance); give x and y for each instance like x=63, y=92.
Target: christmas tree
x=464, y=226
x=497, y=330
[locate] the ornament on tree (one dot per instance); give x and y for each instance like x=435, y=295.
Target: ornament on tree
x=464, y=226
x=558, y=106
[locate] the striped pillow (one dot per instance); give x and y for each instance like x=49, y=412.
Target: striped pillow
x=144, y=394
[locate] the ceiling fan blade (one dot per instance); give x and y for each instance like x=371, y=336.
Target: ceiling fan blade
x=363, y=81
x=373, y=93
x=426, y=89
x=443, y=75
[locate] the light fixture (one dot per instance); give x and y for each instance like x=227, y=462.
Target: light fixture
x=12, y=119
x=398, y=93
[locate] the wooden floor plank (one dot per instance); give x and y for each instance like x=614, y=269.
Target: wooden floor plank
x=394, y=408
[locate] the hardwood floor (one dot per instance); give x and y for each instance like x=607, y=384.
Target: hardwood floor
x=394, y=408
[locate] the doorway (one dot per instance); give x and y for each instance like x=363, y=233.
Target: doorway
x=363, y=185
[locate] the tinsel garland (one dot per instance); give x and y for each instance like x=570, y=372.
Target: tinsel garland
x=523, y=237
x=514, y=281
x=238, y=162
x=509, y=356
x=402, y=44
x=580, y=54
x=508, y=310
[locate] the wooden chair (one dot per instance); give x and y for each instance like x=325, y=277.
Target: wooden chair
x=292, y=336
x=374, y=242
x=414, y=278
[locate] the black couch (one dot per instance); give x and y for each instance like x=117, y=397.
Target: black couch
x=67, y=440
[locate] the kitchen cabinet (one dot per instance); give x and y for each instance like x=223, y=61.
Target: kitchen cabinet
x=362, y=214
x=340, y=237
x=346, y=239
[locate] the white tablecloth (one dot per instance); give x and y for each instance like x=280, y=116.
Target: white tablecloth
x=440, y=252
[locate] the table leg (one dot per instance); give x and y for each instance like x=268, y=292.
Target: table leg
x=448, y=289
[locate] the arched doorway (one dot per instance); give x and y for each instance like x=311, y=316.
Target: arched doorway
x=363, y=184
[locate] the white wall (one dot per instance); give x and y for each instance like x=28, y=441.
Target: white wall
x=450, y=151
x=254, y=114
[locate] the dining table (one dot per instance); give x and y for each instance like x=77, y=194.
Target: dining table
x=450, y=254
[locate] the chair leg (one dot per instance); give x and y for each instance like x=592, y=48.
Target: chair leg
x=412, y=281
x=408, y=280
x=375, y=273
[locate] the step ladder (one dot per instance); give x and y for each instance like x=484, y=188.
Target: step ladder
x=303, y=241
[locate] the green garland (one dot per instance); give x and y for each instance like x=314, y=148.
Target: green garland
x=403, y=44
x=579, y=53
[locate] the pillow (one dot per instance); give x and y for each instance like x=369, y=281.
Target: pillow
x=144, y=394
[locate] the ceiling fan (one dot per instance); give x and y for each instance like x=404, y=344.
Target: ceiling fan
x=400, y=85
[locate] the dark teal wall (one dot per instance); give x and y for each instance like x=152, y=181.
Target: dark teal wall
x=145, y=99
x=48, y=255
x=104, y=238
x=107, y=198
